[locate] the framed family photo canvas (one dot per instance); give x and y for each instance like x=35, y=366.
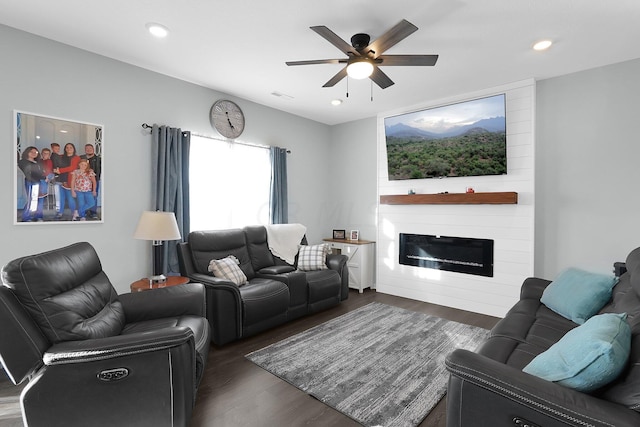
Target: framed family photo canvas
x=57, y=170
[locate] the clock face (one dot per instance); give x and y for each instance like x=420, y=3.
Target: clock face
x=227, y=118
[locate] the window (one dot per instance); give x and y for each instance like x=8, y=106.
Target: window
x=228, y=183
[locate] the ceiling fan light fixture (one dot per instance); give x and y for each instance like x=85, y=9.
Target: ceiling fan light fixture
x=360, y=69
x=365, y=58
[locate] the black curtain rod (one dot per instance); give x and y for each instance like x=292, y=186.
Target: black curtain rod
x=146, y=126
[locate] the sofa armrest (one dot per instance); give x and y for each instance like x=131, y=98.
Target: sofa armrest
x=145, y=378
x=187, y=299
x=276, y=269
x=533, y=287
x=224, y=307
x=207, y=280
x=482, y=389
x=337, y=262
x=117, y=346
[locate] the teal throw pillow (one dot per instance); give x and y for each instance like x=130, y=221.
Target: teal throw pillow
x=578, y=294
x=587, y=357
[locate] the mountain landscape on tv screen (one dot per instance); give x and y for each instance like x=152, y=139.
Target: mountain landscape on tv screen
x=401, y=130
x=468, y=149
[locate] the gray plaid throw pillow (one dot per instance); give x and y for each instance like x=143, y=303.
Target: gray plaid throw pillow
x=313, y=257
x=228, y=268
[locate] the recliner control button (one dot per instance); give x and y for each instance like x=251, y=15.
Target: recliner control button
x=521, y=422
x=113, y=374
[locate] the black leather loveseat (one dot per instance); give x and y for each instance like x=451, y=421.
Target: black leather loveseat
x=489, y=387
x=275, y=292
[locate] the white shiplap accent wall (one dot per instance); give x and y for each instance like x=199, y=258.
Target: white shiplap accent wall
x=510, y=226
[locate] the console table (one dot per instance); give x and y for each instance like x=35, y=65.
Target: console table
x=360, y=261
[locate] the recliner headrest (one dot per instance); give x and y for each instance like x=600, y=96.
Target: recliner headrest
x=217, y=244
x=216, y=240
x=66, y=293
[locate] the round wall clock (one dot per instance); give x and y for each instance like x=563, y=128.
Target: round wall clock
x=227, y=118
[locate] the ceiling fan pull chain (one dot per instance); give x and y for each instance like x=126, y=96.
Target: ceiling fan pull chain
x=371, y=81
x=347, y=87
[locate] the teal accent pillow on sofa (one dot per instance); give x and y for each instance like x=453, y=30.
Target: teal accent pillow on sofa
x=587, y=357
x=578, y=294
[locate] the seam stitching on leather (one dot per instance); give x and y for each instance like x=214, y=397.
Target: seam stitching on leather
x=459, y=370
x=93, y=355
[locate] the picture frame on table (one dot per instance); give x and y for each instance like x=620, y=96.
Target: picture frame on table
x=339, y=234
x=57, y=170
x=354, y=235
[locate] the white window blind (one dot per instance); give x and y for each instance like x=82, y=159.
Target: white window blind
x=229, y=184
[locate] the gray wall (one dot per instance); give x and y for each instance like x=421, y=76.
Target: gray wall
x=587, y=169
x=48, y=78
x=353, y=178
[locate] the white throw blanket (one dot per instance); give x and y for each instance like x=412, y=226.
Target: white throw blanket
x=283, y=240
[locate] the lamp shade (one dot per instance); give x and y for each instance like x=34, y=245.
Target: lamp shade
x=157, y=226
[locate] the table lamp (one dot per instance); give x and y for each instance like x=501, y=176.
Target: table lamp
x=157, y=226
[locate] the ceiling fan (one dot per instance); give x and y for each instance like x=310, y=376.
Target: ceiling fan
x=365, y=58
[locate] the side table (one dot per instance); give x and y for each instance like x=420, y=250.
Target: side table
x=361, y=261
x=145, y=284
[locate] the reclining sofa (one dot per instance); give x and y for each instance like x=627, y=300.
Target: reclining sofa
x=489, y=388
x=93, y=357
x=276, y=292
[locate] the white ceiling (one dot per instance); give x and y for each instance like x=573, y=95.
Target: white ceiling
x=239, y=47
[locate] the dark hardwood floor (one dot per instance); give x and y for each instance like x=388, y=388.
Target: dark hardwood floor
x=235, y=392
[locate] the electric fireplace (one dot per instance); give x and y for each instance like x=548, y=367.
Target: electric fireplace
x=458, y=254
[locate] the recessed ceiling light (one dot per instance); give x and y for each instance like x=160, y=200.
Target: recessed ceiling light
x=157, y=30
x=336, y=102
x=542, y=45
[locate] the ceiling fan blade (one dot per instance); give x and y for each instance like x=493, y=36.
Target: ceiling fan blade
x=335, y=40
x=335, y=79
x=380, y=78
x=425, y=60
x=318, y=61
x=396, y=34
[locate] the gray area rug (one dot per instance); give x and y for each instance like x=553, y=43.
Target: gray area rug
x=380, y=365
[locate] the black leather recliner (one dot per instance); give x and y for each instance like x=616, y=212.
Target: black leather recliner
x=93, y=357
x=275, y=293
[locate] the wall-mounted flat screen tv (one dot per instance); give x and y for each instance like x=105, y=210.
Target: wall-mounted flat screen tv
x=463, y=139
